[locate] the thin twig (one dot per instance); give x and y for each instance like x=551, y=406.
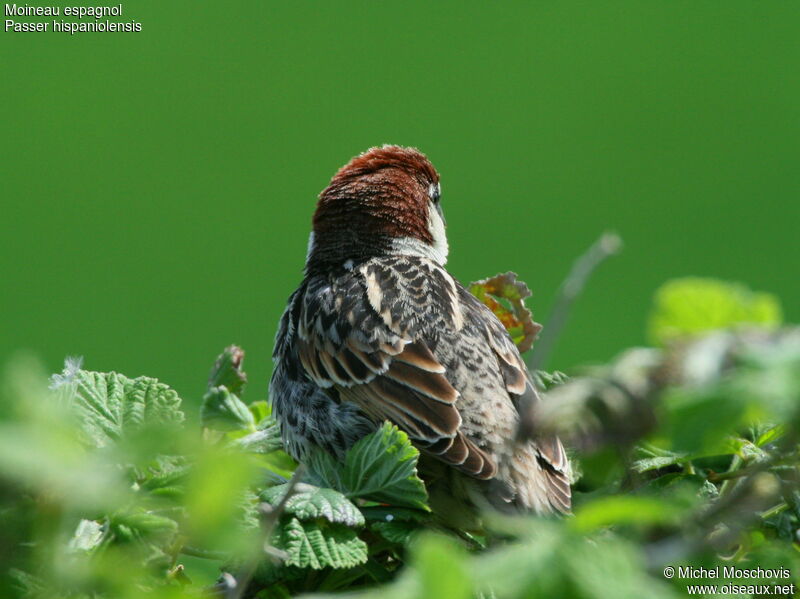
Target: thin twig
x=607, y=245
x=203, y=553
x=269, y=518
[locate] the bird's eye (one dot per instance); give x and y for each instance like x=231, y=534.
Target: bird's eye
x=435, y=192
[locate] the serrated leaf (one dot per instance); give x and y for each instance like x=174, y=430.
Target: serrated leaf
x=383, y=467
x=309, y=502
x=227, y=371
x=655, y=458
x=223, y=411
x=380, y=467
x=145, y=523
x=166, y=474
x=517, y=319
x=688, y=306
x=547, y=380
x=110, y=404
x=647, y=464
x=708, y=490
x=250, y=516
x=317, y=545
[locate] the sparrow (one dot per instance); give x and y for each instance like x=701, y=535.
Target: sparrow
x=379, y=330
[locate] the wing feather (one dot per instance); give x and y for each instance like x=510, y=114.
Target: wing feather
x=406, y=354
x=417, y=354
x=345, y=341
x=441, y=418
x=432, y=385
x=549, y=452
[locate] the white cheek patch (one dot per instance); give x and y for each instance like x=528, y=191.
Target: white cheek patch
x=436, y=229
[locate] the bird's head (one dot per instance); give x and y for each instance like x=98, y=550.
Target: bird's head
x=384, y=201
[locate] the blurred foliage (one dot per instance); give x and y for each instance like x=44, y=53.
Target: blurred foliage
x=688, y=454
x=695, y=305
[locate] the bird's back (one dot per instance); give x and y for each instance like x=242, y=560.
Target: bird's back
x=397, y=338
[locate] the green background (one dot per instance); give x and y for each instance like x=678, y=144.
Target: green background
x=157, y=187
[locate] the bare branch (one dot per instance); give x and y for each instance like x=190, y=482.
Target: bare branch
x=607, y=245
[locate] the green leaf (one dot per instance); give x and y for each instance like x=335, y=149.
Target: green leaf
x=546, y=380
x=769, y=378
x=219, y=498
x=261, y=411
x=265, y=440
x=110, y=404
x=227, y=371
x=692, y=305
x=146, y=524
x=623, y=509
x=380, y=467
x=771, y=434
x=396, y=531
x=318, y=545
x=700, y=422
x=324, y=470
x=654, y=463
x=515, y=316
x=655, y=458
x=709, y=490
x=442, y=568
x=381, y=513
x=309, y=502
x=746, y=449
x=27, y=585
x=609, y=567
x=277, y=463
x=166, y=475
x=223, y=411
x=87, y=536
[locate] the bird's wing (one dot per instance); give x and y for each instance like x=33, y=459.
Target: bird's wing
x=549, y=452
x=362, y=333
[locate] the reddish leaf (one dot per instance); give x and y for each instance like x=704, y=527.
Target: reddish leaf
x=505, y=296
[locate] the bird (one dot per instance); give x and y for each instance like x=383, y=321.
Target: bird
x=378, y=330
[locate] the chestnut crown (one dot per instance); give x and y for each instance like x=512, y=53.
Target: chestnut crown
x=383, y=201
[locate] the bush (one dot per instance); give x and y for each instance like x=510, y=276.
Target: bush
x=687, y=452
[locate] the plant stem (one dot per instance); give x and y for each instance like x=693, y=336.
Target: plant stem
x=774, y=510
x=607, y=245
x=204, y=553
x=270, y=517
